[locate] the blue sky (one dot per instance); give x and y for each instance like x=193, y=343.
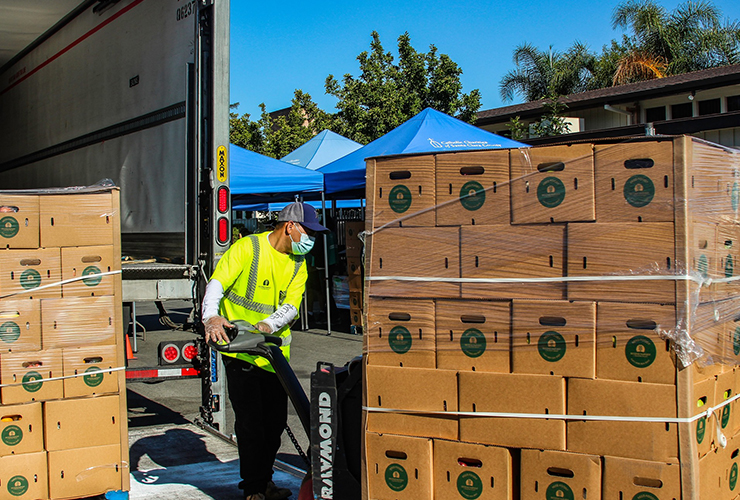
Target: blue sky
x=277, y=48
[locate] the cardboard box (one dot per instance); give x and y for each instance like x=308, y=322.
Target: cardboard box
x=514, y=253
x=631, y=345
x=552, y=184
x=725, y=388
x=25, y=376
x=473, y=335
x=720, y=467
x=24, y=477
x=19, y=221
x=20, y=325
x=473, y=188
x=401, y=333
x=91, y=262
x=711, y=476
x=704, y=257
x=355, y=316
x=398, y=467
x=403, y=191
x=642, y=440
x=634, y=182
x=23, y=272
x=413, y=389
x=425, y=253
x=728, y=251
x=640, y=479
x=464, y=471
x=76, y=220
x=21, y=429
x=85, y=472
x=622, y=249
x=557, y=474
x=79, y=321
x=81, y=423
x=554, y=337
x=353, y=245
x=354, y=274
x=355, y=300
x=512, y=393
x=78, y=361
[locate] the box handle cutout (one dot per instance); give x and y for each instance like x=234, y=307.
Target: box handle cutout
x=469, y=462
x=397, y=316
x=8, y=209
x=703, y=244
x=91, y=258
x=9, y=314
x=639, y=163
x=400, y=175
x=559, y=472
x=10, y=418
x=380, y=192
x=647, y=482
x=728, y=393
x=728, y=243
x=94, y=359
x=641, y=324
x=399, y=455
x=552, y=321
x=476, y=170
x=701, y=401
x=665, y=181
x=30, y=262
x=32, y=364
x=734, y=454
x=551, y=166
x=470, y=318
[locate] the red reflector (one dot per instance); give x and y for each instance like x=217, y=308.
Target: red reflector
x=224, y=235
x=223, y=199
x=189, y=351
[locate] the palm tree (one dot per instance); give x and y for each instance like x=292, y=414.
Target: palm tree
x=546, y=73
x=690, y=38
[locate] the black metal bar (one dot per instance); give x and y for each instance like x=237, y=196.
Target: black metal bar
x=292, y=387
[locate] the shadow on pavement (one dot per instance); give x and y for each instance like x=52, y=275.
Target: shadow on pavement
x=143, y=412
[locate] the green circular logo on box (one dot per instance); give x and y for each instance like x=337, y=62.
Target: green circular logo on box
x=701, y=429
x=10, y=331
x=473, y=343
x=725, y=416
x=729, y=267
x=735, y=196
x=9, y=227
x=469, y=485
x=733, y=476
x=400, y=340
x=645, y=495
x=11, y=435
x=29, y=381
x=551, y=346
x=396, y=477
x=95, y=379
x=17, y=486
x=703, y=266
x=559, y=491
x=93, y=271
x=736, y=341
x=399, y=199
x=640, y=351
x=639, y=191
x=30, y=278
x=472, y=195
x=551, y=192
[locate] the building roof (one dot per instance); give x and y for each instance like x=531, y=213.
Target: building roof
x=628, y=93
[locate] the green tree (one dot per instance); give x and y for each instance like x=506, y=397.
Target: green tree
x=244, y=132
x=690, y=38
x=386, y=94
x=541, y=73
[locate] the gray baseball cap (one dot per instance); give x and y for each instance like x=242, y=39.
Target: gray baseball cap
x=304, y=214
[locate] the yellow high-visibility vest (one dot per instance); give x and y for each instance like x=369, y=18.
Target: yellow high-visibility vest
x=257, y=280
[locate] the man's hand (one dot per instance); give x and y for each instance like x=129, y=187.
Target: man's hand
x=263, y=327
x=215, y=329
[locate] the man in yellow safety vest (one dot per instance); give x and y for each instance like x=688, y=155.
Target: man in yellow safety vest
x=260, y=279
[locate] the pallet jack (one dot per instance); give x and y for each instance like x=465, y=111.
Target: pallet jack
x=332, y=419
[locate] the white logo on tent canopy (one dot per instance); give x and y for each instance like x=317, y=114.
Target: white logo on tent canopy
x=462, y=144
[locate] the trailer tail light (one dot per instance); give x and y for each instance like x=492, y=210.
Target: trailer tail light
x=189, y=352
x=223, y=230
x=223, y=199
x=169, y=353
x=177, y=352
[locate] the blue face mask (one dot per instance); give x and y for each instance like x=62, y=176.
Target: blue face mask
x=303, y=246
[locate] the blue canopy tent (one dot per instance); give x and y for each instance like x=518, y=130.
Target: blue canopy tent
x=428, y=132
x=323, y=148
x=256, y=178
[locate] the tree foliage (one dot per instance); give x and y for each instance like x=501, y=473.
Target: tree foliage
x=385, y=93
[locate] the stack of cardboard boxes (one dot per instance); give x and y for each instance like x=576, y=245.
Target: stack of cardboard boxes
x=63, y=427
x=353, y=246
x=511, y=291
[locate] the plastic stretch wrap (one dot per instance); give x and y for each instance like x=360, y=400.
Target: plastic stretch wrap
x=606, y=260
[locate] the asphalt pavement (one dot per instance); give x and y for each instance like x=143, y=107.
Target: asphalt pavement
x=163, y=413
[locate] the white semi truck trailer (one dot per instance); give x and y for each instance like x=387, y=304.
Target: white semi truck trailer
x=136, y=91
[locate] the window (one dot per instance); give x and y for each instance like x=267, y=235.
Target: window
x=655, y=114
x=709, y=107
x=685, y=110
x=733, y=103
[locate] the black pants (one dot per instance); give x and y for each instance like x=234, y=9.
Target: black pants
x=261, y=408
